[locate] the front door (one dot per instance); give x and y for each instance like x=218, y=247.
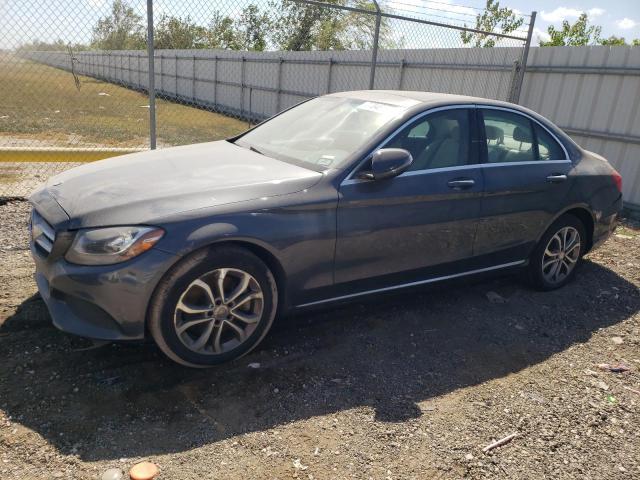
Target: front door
x=421, y=223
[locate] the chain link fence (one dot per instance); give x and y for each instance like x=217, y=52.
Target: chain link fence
x=83, y=80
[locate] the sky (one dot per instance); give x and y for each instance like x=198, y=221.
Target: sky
x=72, y=20
x=616, y=17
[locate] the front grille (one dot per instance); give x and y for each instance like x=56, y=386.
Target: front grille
x=42, y=234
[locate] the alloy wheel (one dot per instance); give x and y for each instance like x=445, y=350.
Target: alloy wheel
x=218, y=311
x=561, y=255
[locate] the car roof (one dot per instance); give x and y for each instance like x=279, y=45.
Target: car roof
x=410, y=99
x=416, y=101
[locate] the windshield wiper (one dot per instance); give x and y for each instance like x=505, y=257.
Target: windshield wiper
x=254, y=149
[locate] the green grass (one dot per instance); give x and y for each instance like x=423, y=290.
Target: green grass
x=627, y=230
x=41, y=107
x=8, y=178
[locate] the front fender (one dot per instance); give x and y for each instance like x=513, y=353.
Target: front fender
x=301, y=238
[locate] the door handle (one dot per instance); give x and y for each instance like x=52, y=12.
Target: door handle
x=556, y=178
x=461, y=183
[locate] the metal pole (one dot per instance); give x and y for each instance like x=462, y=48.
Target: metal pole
x=242, y=87
x=250, y=111
x=279, y=86
x=513, y=84
x=215, y=80
x=400, y=80
x=374, y=52
x=152, y=77
x=193, y=81
x=523, y=62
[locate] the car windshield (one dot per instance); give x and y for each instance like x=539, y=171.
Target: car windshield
x=322, y=132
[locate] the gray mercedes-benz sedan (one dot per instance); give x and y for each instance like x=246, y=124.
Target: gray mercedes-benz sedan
x=348, y=194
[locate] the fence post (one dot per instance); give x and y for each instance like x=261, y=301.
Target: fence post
x=242, y=87
x=215, y=80
x=401, y=76
x=152, y=77
x=329, y=72
x=250, y=106
x=193, y=81
x=513, y=84
x=279, y=86
x=523, y=62
x=374, y=50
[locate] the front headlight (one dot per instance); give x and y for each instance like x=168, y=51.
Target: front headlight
x=106, y=246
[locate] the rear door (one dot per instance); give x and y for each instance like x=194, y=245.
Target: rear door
x=526, y=177
x=422, y=222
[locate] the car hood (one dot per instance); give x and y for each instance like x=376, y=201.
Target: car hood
x=147, y=186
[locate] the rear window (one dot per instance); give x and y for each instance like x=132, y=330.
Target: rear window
x=512, y=137
x=548, y=147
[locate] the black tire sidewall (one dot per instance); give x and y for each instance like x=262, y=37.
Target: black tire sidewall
x=180, y=277
x=535, y=266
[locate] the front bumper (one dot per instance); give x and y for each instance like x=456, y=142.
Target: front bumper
x=107, y=302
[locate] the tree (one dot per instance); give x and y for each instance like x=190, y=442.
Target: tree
x=614, y=41
x=122, y=30
x=297, y=25
x=222, y=33
x=493, y=16
x=55, y=46
x=359, y=28
x=175, y=32
x=253, y=26
x=578, y=34
x=309, y=27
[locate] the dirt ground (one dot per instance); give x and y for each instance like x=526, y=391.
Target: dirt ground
x=412, y=385
x=19, y=179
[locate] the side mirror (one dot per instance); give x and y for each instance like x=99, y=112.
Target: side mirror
x=388, y=163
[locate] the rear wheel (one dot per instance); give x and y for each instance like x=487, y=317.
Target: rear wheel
x=554, y=261
x=214, y=306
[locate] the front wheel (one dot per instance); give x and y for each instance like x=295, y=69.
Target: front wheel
x=554, y=261
x=213, y=307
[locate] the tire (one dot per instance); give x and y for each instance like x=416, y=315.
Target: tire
x=568, y=254
x=187, y=305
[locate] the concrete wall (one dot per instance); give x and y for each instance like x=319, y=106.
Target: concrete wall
x=591, y=92
x=277, y=80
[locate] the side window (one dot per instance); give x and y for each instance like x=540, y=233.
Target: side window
x=509, y=137
x=420, y=130
x=548, y=147
x=438, y=140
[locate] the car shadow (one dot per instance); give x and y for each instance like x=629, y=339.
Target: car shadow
x=391, y=354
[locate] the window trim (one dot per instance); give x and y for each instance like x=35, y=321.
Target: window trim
x=532, y=121
x=349, y=178
x=483, y=156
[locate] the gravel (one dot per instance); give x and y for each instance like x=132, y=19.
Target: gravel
x=411, y=385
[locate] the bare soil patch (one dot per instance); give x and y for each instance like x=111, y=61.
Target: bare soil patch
x=412, y=385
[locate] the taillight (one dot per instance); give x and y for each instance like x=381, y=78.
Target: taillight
x=617, y=178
